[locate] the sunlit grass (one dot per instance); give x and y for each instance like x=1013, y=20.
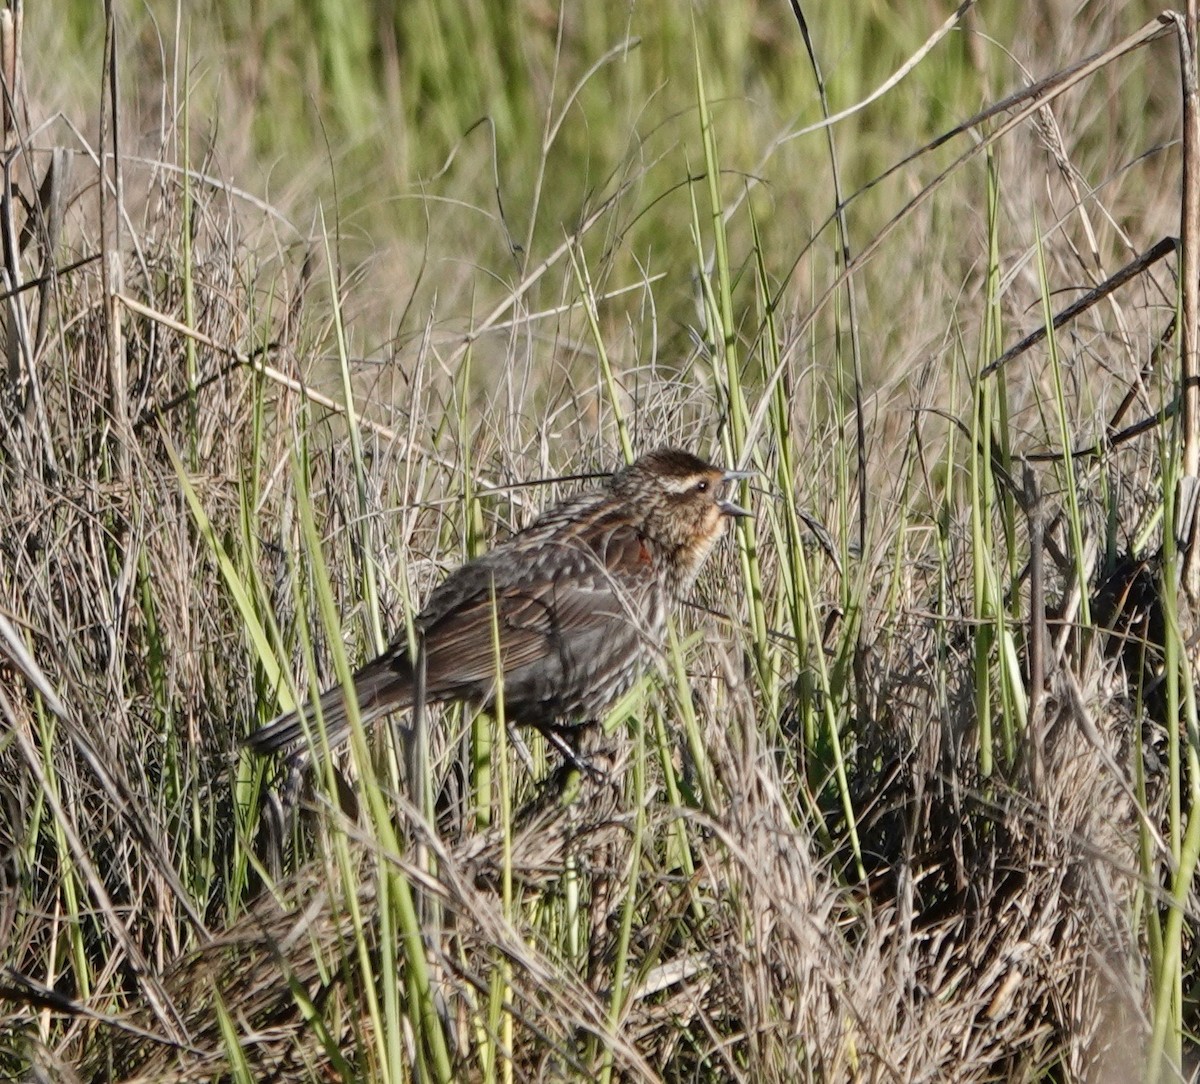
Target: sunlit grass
x=844, y=832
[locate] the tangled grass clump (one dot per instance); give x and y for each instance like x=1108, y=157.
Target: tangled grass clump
x=908, y=795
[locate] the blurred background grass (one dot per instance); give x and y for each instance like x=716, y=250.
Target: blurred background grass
x=456, y=144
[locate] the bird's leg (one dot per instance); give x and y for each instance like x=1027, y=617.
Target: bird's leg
x=277, y=821
x=272, y=831
x=570, y=753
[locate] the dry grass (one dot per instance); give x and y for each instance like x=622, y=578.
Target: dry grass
x=811, y=854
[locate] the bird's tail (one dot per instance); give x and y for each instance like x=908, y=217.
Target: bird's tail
x=378, y=687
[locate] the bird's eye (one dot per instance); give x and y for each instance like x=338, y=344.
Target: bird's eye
x=702, y=487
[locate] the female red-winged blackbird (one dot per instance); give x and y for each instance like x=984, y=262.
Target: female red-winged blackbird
x=580, y=603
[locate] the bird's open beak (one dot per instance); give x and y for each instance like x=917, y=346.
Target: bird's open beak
x=731, y=508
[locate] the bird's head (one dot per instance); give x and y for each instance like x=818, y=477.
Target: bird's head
x=682, y=502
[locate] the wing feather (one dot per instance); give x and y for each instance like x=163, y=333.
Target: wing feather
x=591, y=594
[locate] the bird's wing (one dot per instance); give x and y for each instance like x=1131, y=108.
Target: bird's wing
x=542, y=609
x=580, y=600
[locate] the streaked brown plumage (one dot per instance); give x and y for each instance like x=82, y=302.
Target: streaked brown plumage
x=581, y=599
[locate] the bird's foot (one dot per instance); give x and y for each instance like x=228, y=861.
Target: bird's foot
x=572, y=756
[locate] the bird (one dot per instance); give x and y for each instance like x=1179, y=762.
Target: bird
x=571, y=610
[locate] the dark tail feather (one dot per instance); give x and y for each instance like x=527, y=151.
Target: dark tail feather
x=379, y=688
